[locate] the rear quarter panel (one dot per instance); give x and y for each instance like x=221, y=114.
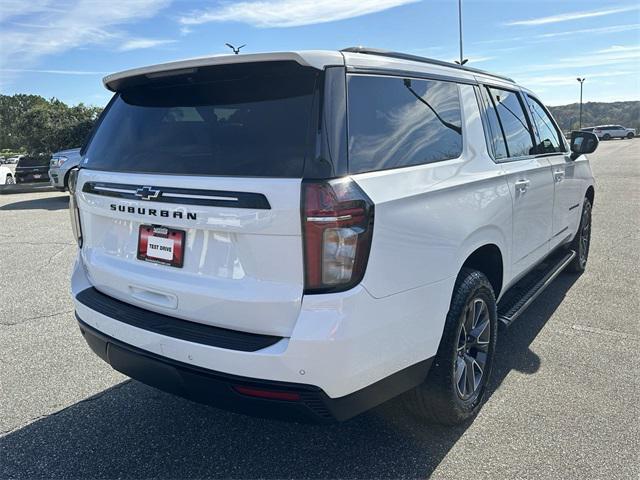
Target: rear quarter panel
x=430, y=218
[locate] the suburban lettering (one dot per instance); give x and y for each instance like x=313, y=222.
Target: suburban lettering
x=153, y=212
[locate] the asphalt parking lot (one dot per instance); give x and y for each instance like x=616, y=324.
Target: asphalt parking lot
x=564, y=400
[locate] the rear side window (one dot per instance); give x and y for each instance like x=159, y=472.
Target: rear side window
x=33, y=161
x=232, y=120
x=513, y=121
x=397, y=122
x=548, y=138
x=495, y=133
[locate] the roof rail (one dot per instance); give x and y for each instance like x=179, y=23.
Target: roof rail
x=417, y=58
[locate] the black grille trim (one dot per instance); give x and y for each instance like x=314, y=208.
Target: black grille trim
x=225, y=198
x=174, y=327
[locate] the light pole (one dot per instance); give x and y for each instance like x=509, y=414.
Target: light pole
x=581, y=80
x=462, y=60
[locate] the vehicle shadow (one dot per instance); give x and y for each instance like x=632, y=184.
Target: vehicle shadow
x=26, y=188
x=47, y=203
x=133, y=431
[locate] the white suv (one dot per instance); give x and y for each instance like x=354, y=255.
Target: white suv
x=607, y=132
x=309, y=234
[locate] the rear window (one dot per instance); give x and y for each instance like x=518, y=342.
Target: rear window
x=397, y=122
x=33, y=161
x=231, y=120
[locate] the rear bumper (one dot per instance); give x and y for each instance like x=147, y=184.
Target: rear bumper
x=219, y=389
x=29, y=177
x=353, y=350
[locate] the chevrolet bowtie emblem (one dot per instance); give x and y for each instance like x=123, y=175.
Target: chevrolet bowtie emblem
x=147, y=193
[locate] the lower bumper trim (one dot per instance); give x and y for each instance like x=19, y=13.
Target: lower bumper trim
x=221, y=389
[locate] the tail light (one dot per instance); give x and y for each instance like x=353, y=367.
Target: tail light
x=337, y=221
x=73, y=206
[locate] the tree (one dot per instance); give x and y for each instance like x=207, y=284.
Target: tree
x=12, y=108
x=40, y=126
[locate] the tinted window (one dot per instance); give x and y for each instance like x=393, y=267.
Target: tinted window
x=514, y=122
x=496, y=135
x=242, y=120
x=548, y=139
x=33, y=161
x=395, y=122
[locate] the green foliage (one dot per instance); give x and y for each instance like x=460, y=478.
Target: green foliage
x=626, y=114
x=32, y=124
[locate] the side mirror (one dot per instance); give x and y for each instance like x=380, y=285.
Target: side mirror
x=583, y=142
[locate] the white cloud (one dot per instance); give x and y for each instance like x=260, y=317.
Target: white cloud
x=619, y=48
x=289, y=13
x=54, y=72
x=139, y=43
x=17, y=8
x=82, y=23
x=565, y=33
x=565, y=17
x=568, y=80
x=628, y=57
x=478, y=59
x=591, y=31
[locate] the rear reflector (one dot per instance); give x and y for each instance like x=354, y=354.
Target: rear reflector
x=269, y=394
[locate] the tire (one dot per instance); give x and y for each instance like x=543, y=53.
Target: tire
x=630, y=135
x=582, y=241
x=66, y=182
x=9, y=180
x=440, y=398
x=606, y=136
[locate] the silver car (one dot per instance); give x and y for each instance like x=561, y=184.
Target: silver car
x=59, y=166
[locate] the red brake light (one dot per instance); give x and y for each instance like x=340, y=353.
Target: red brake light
x=337, y=221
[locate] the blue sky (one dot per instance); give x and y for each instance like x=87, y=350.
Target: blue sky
x=63, y=48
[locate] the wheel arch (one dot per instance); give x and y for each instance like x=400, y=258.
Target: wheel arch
x=489, y=260
x=591, y=194
x=65, y=181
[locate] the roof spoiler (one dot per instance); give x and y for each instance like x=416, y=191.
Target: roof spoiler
x=114, y=81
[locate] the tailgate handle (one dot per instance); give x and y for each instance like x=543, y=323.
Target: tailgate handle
x=154, y=297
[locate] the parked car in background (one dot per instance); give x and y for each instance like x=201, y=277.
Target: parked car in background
x=14, y=160
x=587, y=129
x=607, y=132
x=59, y=166
x=6, y=176
x=265, y=258
x=32, y=169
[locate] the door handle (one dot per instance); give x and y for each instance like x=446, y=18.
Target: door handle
x=522, y=185
x=558, y=175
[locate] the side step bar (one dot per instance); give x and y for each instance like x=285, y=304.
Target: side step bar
x=522, y=294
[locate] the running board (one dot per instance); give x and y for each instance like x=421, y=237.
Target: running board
x=522, y=294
